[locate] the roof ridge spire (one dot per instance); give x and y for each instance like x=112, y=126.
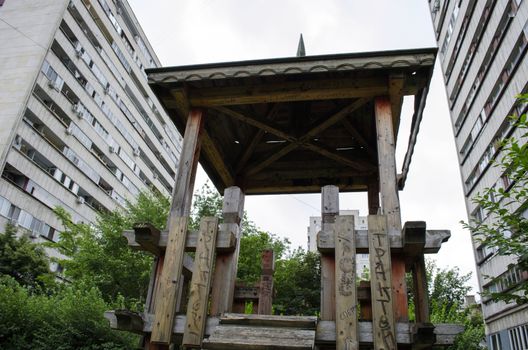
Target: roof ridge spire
x=301, y=51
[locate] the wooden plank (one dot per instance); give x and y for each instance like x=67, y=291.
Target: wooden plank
x=226, y=263
x=433, y=243
x=147, y=236
x=384, y=332
x=305, y=322
x=345, y=279
x=289, y=91
x=200, y=283
x=259, y=338
x=329, y=211
x=217, y=160
x=399, y=288
x=266, y=283
x=390, y=202
x=170, y=281
x=225, y=242
x=373, y=196
x=396, y=84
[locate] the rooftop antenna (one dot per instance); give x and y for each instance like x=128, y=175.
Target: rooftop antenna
x=301, y=52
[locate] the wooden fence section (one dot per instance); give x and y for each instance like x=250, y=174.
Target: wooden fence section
x=345, y=279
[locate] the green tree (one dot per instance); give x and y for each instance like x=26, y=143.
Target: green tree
x=99, y=256
x=297, y=281
x=506, y=208
x=69, y=318
x=23, y=260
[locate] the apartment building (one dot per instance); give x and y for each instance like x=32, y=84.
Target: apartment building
x=79, y=126
x=360, y=224
x=483, y=57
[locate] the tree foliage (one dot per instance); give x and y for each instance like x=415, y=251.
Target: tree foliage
x=23, y=260
x=68, y=318
x=297, y=283
x=99, y=256
x=506, y=208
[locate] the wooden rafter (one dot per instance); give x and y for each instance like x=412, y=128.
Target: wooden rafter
x=396, y=84
x=211, y=149
x=358, y=137
x=255, y=140
x=303, y=141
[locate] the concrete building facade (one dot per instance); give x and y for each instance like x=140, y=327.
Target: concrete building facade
x=79, y=126
x=482, y=51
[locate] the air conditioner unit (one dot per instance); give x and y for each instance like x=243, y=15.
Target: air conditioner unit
x=17, y=143
x=78, y=53
x=80, y=200
x=136, y=152
x=154, y=175
x=13, y=222
x=80, y=114
x=69, y=131
x=107, y=88
x=76, y=108
x=112, y=149
x=34, y=234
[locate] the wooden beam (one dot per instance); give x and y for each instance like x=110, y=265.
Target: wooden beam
x=289, y=91
x=329, y=211
x=354, y=163
x=358, y=137
x=390, y=202
x=421, y=295
x=345, y=279
x=170, y=281
x=201, y=281
x=373, y=196
x=399, y=288
x=383, y=324
x=433, y=242
x=254, y=141
x=266, y=283
x=217, y=160
x=396, y=84
x=226, y=263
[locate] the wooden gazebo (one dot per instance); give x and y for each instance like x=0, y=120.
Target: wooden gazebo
x=292, y=125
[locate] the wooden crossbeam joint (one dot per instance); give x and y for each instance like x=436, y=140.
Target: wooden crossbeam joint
x=147, y=236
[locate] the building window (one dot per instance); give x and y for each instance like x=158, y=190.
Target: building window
x=495, y=343
x=519, y=337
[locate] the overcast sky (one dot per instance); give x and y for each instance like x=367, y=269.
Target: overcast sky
x=205, y=31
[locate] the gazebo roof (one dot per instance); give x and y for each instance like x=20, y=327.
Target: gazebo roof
x=292, y=125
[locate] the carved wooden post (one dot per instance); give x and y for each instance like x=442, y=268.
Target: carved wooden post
x=329, y=211
x=171, y=279
x=345, y=279
x=383, y=325
x=421, y=297
x=226, y=263
x=200, y=284
x=266, y=282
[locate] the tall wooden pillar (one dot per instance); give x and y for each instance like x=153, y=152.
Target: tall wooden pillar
x=266, y=283
x=329, y=211
x=226, y=263
x=390, y=201
x=169, y=280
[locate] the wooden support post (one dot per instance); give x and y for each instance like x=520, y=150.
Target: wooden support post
x=266, y=282
x=329, y=211
x=345, y=279
x=226, y=263
x=421, y=297
x=200, y=284
x=399, y=288
x=383, y=324
x=390, y=202
x=170, y=278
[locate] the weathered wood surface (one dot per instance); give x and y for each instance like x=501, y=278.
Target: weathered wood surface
x=226, y=263
x=381, y=284
x=306, y=322
x=246, y=293
x=170, y=282
x=433, y=241
x=226, y=241
x=399, y=288
x=421, y=295
x=200, y=283
x=325, y=330
x=345, y=279
x=329, y=211
x=125, y=320
x=390, y=202
x=266, y=283
x=226, y=337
